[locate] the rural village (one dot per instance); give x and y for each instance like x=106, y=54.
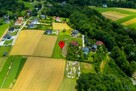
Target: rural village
x=31, y=58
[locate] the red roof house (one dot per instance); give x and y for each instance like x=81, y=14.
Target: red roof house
x=99, y=43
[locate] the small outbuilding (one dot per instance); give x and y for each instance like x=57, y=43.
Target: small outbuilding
x=48, y=32
x=31, y=25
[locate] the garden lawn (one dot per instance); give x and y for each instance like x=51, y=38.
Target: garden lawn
x=4, y=49
x=63, y=36
x=3, y=28
x=8, y=42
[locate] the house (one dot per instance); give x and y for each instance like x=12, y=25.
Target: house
x=11, y=29
x=98, y=43
x=35, y=21
x=58, y=19
x=6, y=37
x=74, y=33
x=48, y=32
x=43, y=16
x=19, y=21
x=7, y=20
x=85, y=50
x=74, y=43
x=104, y=6
x=31, y=25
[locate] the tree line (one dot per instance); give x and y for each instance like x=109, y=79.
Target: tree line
x=109, y=3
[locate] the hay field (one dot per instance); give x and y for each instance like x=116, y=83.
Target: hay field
x=113, y=15
x=127, y=9
x=45, y=46
x=26, y=42
x=60, y=26
x=40, y=74
x=129, y=22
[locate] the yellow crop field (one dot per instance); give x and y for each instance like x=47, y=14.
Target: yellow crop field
x=45, y=46
x=113, y=15
x=40, y=74
x=5, y=90
x=26, y=42
x=60, y=26
x=129, y=22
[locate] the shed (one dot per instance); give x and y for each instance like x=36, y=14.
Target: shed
x=48, y=32
x=31, y=25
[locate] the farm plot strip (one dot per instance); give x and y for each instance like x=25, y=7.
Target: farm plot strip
x=113, y=15
x=40, y=74
x=26, y=42
x=127, y=9
x=45, y=46
x=129, y=22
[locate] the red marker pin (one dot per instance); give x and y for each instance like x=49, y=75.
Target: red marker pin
x=61, y=44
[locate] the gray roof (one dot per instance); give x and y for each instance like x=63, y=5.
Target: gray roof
x=11, y=29
x=48, y=31
x=7, y=36
x=85, y=49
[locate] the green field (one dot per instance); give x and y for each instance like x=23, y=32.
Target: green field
x=2, y=62
x=131, y=15
x=68, y=85
x=4, y=49
x=6, y=81
x=3, y=28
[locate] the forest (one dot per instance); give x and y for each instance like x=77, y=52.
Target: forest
x=110, y=3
